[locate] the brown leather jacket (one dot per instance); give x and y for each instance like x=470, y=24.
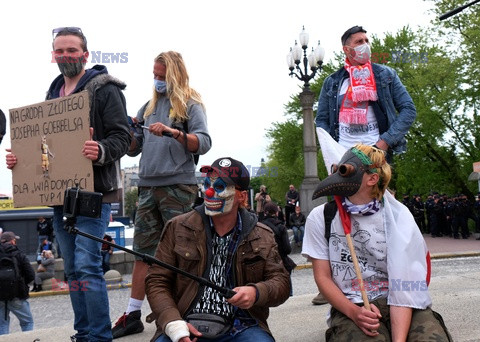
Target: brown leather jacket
x=184, y=244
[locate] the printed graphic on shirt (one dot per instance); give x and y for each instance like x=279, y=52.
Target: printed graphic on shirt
x=371, y=249
x=212, y=302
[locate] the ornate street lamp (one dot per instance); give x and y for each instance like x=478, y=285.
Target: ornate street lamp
x=314, y=59
x=305, y=72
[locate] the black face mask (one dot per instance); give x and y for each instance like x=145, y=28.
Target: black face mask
x=345, y=179
x=70, y=66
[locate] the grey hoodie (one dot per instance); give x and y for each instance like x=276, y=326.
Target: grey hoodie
x=164, y=160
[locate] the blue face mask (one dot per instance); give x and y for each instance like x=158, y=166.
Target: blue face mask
x=160, y=86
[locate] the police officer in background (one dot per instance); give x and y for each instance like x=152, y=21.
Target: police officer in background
x=419, y=212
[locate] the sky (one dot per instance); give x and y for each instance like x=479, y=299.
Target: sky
x=235, y=53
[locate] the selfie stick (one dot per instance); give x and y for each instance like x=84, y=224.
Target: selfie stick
x=71, y=219
x=456, y=10
x=148, y=259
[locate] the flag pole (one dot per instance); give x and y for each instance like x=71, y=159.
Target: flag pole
x=347, y=228
x=366, y=303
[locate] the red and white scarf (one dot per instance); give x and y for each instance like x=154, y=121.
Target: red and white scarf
x=362, y=89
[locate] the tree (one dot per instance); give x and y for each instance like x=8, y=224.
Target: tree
x=131, y=199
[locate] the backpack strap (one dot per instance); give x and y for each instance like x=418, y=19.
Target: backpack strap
x=329, y=212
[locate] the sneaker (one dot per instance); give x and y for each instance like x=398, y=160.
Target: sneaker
x=319, y=300
x=128, y=324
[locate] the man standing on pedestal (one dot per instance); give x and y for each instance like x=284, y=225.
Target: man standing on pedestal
x=364, y=102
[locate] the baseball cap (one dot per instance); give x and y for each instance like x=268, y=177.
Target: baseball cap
x=232, y=171
x=9, y=236
x=350, y=31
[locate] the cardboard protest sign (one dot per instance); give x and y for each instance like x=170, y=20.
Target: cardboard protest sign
x=47, y=139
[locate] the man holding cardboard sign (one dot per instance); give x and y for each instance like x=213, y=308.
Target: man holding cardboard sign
x=109, y=141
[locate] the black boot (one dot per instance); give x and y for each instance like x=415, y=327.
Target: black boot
x=39, y=288
x=34, y=288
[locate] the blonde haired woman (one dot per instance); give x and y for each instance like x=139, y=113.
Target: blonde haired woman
x=174, y=132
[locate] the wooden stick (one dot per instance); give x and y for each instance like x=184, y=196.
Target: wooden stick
x=366, y=303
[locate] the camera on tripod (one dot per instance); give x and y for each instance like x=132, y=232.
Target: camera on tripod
x=78, y=202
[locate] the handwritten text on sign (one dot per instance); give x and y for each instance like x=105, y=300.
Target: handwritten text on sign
x=47, y=139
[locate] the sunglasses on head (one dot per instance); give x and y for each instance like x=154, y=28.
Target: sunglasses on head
x=70, y=29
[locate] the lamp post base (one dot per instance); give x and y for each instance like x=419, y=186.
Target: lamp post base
x=307, y=189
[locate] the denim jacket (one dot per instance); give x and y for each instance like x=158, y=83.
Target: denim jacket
x=394, y=110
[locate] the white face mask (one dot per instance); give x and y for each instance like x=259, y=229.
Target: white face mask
x=362, y=53
x=218, y=196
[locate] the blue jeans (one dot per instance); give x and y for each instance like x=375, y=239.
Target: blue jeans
x=298, y=233
x=21, y=309
x=83, y=268
x=252, y=334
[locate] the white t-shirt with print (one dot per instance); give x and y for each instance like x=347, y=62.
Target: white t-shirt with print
x=368, y=236
x=350, y=135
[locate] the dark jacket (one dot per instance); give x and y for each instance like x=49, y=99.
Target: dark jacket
x=45, y=227
x=25, y=268
x=108, y=117
x=281, y=237
x=291, y=196
x=3, y=125
x=186, y=244
x=394, y=110
x=297, y=221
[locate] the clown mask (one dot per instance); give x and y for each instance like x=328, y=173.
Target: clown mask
x=218, y=196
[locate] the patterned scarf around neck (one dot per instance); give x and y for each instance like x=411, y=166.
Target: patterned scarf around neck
x=362, y=89
x=362, y=209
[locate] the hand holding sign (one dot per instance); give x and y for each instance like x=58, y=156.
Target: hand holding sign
x=47, y=138
x=11, y=159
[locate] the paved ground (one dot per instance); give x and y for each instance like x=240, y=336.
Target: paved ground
x=446, y=246
x=50, y=326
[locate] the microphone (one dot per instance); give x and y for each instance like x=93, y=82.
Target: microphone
x=456, y=10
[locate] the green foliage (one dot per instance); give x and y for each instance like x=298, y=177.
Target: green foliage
x=443, y=141
x=286, y=157
x=131, y=199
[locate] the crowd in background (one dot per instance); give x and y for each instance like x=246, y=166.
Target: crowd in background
x=290, y=216
x=438, y=215
x=444, y=215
